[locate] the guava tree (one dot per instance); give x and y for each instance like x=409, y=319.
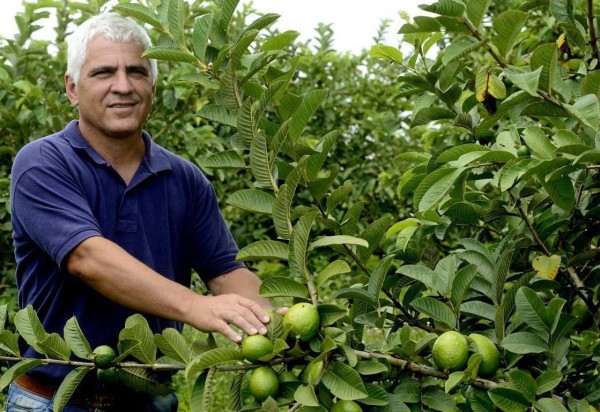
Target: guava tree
x=499, y=248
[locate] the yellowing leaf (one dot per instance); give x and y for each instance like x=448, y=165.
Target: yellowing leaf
x=547, y=266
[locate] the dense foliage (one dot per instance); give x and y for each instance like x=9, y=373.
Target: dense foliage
x=405, y=194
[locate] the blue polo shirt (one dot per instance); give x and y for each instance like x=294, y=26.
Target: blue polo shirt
x=63, y=192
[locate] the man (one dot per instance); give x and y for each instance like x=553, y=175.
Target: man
x=106, y=223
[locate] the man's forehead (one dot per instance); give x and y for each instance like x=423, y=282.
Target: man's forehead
x=100, y=47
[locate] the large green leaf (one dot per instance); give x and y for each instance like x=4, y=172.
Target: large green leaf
x=312, y=100
x=435, y=186
x=169, y=54
x=305, y=395
x=264, y=249
x=476, y=10
x=17, y=370
x=276, y=286
x=299, y=245
x=29, y=326
x=54, y=346
x=280, y=40
x=539, y=143
x=200, y=35
x=137, y=328
x=381, y=51
x=436, y=309
x=524, y=343
x=344, y=382
x=175, y=19
x=9, y=342
x=172, y=344
x=228, y=159
x=76, y=339
x=218, y=114
x=281, y=211
x=335, y=268
x=549, y=405
x=460, y=284
x=210, y=358
x=587, y=110
x=139, y=12
x=508, y=400
x=532, y=310
x=454, y=153
x=259, y=162
x=524, y=382
x=337, y=240
x=562, y=192
x=527, y=81
x=508, y=25
x=252, y=200
x=545, y=56
x=373, y=234
x=547, y=381
x=430, y=114
x=445, y=8
x=425, y=275
x=68, y=387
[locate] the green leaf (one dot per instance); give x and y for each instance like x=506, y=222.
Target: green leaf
x=219, y=114
x=371, y=367
x=547, y=381
x=454, y=153
x=298, y=245
x=527, y=81
x=384, y=52
x=139, y=12
x=252, y=200
x=377, y=396
x=545, y=56
x=549, y=405
x=279, y=41
x=172, y=344
x=438, y=400
x=76, y=339
x=435, y=186
x=508, y=25
x=479, y=309
x=264, y=249
x=210, y=358
x=590, y=84
x=430, y=114
x=312, y=100
x=335, y=268
x=476, y=10
x=532, y=309
x=9, y=342
x=259, y=162
x=281, y=211
x=68, y=387
x=175, y=19
x=373, y=235
x=344, y=382
x=454, y=379
x=330, y=314
x=169, y=54
x=587, y=110
x=461, y=283
x=17, y=370
x=339, y=195
x=436, y=309
x=562, y=192
x=3, y=316
x=423, y=274
x=524, y=343
x=379, y=274
x=524, y=383
x=137, y=328
x=54, y=346
x=357, y=294
x=275, y=286
x=29, y=326
x=305, y=395
x=508, y=400
x=227, y=159
x=547, y=266
x=200, y=35
x=143, y=380
x=539, y=143
x=445, y=8
x=337, y=240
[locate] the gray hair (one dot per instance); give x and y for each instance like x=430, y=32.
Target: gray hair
x=111, y=26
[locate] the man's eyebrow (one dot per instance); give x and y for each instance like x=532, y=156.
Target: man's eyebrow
x=102, y=68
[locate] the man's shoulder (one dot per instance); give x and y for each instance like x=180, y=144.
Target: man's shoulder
x=40, y=151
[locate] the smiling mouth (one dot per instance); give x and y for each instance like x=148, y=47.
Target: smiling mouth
x=121, y=105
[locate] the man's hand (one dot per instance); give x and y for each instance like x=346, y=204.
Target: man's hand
x=220, y=313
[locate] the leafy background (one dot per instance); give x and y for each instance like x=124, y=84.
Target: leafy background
x=447, y=185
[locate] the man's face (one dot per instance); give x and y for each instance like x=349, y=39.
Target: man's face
x=115, y=90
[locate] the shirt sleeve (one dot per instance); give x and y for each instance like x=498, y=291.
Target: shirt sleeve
x=49, y=208
x=214, y=249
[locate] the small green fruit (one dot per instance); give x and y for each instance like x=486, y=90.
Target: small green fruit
x=302, y=320
x=257, y=348
x=451, y=351
x=489, y=352
x=346, y=406
x=103, y=356
x=311, y=372
x=264, y=383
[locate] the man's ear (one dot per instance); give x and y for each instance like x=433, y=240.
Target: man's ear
x=71, y=89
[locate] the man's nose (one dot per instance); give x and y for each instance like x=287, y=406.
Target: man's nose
x=122, y=83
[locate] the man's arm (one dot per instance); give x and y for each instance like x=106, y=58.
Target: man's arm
x=116, y=274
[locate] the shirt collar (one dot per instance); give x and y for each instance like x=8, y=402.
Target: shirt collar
x=154, y=159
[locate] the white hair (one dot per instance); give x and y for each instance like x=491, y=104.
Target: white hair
x=111, y=26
